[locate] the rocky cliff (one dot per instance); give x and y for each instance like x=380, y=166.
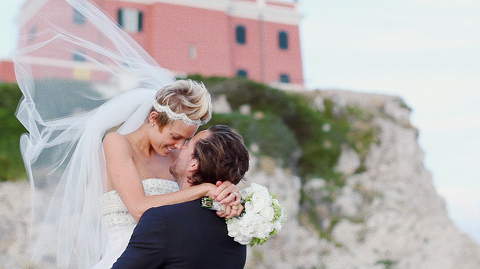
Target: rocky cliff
x=385, y=214
x=388, y=215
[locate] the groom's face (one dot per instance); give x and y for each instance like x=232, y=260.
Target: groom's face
x=186, y=165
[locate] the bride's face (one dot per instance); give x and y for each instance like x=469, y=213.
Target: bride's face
x=171, y=137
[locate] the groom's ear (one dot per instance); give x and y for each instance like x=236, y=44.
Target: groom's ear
x=193, y=165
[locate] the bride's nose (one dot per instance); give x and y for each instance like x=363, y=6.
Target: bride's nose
x=179, y=145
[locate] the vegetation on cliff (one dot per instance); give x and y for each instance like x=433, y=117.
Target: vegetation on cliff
x=290, y=128
x=10, y=130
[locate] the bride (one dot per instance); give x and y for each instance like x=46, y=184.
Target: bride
x=146, y=154
x=100, y=151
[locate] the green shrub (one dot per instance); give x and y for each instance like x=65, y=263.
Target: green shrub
x=387, y=263
x=49, y=91
x=320, y=148
x=10, y=131
x=268, y=132
x=321, y=135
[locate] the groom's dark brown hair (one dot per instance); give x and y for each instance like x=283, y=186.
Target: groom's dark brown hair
x=221, y=156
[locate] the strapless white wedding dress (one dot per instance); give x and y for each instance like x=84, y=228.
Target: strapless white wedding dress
x=120, y=223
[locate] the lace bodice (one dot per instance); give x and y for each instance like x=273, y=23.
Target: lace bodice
x=115, y=213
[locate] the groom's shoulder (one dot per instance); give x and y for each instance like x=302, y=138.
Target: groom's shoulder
x=195, y=204
x=190, y=206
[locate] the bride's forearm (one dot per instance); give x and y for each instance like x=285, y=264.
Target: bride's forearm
x=184, y=195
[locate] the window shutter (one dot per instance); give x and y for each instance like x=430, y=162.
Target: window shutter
x=120, y=17
x=240, y=34
x=242, y=73
x=283, y=40
x=284, y=78
x=140, y=21
x=78, y=18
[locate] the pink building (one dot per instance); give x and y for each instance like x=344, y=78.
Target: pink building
x=6, y=71
x=258, y=39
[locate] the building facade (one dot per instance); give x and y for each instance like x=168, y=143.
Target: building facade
x=257, y=39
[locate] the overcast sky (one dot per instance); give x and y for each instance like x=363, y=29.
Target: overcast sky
x=425, y=51
x=428, y=53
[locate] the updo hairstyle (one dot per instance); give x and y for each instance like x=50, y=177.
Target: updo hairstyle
x=184, y=96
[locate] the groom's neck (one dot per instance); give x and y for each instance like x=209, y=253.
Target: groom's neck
x=183, y=184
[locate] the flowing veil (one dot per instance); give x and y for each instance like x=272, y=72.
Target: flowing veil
x=67, y=107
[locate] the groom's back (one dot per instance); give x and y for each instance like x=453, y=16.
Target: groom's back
x=182, y=236
x=198, y=238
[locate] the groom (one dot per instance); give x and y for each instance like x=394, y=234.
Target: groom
x=186, y=235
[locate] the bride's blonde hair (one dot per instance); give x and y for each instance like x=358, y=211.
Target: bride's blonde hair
x=184, y=96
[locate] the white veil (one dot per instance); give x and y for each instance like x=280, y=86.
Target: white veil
x=114, y=85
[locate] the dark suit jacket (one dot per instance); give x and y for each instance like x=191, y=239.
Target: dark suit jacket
x=182, y=236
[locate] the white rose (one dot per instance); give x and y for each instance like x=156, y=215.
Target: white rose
x=260, y=189
x=249, y=208
x=277, y=225
x=263, y=230
x=248, y=222
x=245, y=193
x=233, y=227
x=268, y=213
x=237, y=231
x=243, y=240
x=250, y=190
x=254, y=188
x=260, y=201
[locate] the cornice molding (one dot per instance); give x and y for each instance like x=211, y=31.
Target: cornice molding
x=242, y=9
x=53, y=62
x=28, y=9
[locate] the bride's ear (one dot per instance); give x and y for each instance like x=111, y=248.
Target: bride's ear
x=152, y=117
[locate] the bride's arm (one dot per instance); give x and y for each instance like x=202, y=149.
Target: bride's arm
x=126, y=180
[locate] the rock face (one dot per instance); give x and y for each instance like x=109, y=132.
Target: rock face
x=386, y=216
x=15, y=229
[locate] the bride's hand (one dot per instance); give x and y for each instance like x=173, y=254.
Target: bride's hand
x=227, y=193
x=209, y=190
x=229, y=212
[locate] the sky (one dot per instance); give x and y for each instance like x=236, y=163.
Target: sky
x=428, y=53
x=425, y=51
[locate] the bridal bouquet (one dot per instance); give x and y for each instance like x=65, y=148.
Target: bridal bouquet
x=262, y=217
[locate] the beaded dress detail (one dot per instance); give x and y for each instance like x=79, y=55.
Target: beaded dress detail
x=115, y=213
x=120, y=223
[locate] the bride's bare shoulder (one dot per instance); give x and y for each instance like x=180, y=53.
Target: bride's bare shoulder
x=114, y=137
x=116, y=141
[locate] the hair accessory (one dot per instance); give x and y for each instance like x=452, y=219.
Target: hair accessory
x=175, y=116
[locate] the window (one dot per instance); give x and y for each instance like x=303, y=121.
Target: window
x=79, y=56
x=240, y=34
x=283, y=40
x=192, y=51
x=284, y=78
x=131, y=20
x=242, y=73
x=78, y=18
x=32, y=34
